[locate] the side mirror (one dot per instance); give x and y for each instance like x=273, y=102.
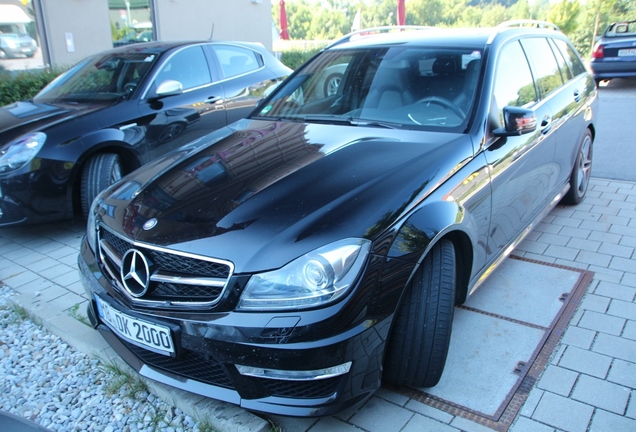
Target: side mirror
x=169, y=88
x=517, y=121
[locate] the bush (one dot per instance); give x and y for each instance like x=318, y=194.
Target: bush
x=23, y=85
x=293, y=59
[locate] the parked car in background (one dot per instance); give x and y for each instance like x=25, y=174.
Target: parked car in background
x=290, y=262
x=614, y=54
x=14, y=42
x=114, y=112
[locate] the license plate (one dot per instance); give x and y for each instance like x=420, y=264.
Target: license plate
x=142, y=333
x=631, y=52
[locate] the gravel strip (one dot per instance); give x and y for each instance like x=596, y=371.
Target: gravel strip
x=49, y=382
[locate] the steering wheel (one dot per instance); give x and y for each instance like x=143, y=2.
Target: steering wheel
x=444, y=103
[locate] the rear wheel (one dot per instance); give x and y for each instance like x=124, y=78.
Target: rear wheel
x=421, y=332
x=101, y=171
x=582, y=171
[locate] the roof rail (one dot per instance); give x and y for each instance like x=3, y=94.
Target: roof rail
x=529, y=23
x=376, y=30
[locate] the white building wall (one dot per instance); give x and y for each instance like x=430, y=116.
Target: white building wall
x=76, y=29
x=243, y=20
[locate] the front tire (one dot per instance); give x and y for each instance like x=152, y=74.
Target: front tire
x=582, y=171
x=331, y=84
x=100, y=172
x=419, y=341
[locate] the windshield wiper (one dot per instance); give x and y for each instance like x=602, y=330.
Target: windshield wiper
x=376, y=123
x=350, y=121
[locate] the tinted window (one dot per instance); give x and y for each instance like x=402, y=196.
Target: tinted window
x=514, y=85
x=571, y=57
x=99, y=78
x=566, y=72
x=236, y=60
x=407, y=86
x=188, y=66
x=544, y=65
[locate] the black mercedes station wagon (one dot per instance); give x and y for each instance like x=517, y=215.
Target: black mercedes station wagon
x=292, y=261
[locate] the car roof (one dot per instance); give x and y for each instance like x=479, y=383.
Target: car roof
x=446, y=37
x=159, y=47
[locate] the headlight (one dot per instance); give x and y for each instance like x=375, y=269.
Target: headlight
x=17, y=153
x=91, y=226
x=315, y=279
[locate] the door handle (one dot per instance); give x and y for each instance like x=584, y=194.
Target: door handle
x=213, y=99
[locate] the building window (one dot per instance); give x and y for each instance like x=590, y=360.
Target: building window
x=130, y=21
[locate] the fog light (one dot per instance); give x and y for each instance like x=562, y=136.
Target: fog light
x=295, y=375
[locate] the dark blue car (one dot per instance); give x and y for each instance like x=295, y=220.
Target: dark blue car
x=116, y=111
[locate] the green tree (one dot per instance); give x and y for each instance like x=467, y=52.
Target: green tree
x=330, y=19
x=565, y=15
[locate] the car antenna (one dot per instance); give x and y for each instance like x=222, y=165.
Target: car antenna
x=212, y=32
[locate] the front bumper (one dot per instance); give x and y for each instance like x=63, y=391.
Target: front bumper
x=209, y=346
x=19, y=50
x=36, y=196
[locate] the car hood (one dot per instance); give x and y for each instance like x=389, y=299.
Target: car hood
x=271, y=191
x=23, y=117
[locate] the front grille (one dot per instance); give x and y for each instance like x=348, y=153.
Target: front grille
x=206, y=369
x=302, y=389
x=177, y=280
x=172, y=290
x=189, y=364
x=170, y=262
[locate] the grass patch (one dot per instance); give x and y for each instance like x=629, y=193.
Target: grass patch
x=205, y=425
x=123, y=378
x=22, y=314
x=74, y=312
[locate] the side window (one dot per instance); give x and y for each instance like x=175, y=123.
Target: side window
x=188, y=66
x=566, y=72
x=571, y=57
x=236, y=60
x=513, y=81
x=544, y=64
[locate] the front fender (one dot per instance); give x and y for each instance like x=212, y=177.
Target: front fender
x=424, y=227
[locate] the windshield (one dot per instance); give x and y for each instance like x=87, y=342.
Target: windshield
x=11, y=28
x=99, y=79
x=396, y=86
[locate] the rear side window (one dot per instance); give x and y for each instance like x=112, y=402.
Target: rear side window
x=571, y=57
x=544, y=65
x=514, y=85
x=236, y=60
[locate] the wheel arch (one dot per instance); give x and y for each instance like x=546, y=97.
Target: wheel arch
x=432, y=223
x=592, y=130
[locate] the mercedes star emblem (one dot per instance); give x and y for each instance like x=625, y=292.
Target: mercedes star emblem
x=135, y=273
